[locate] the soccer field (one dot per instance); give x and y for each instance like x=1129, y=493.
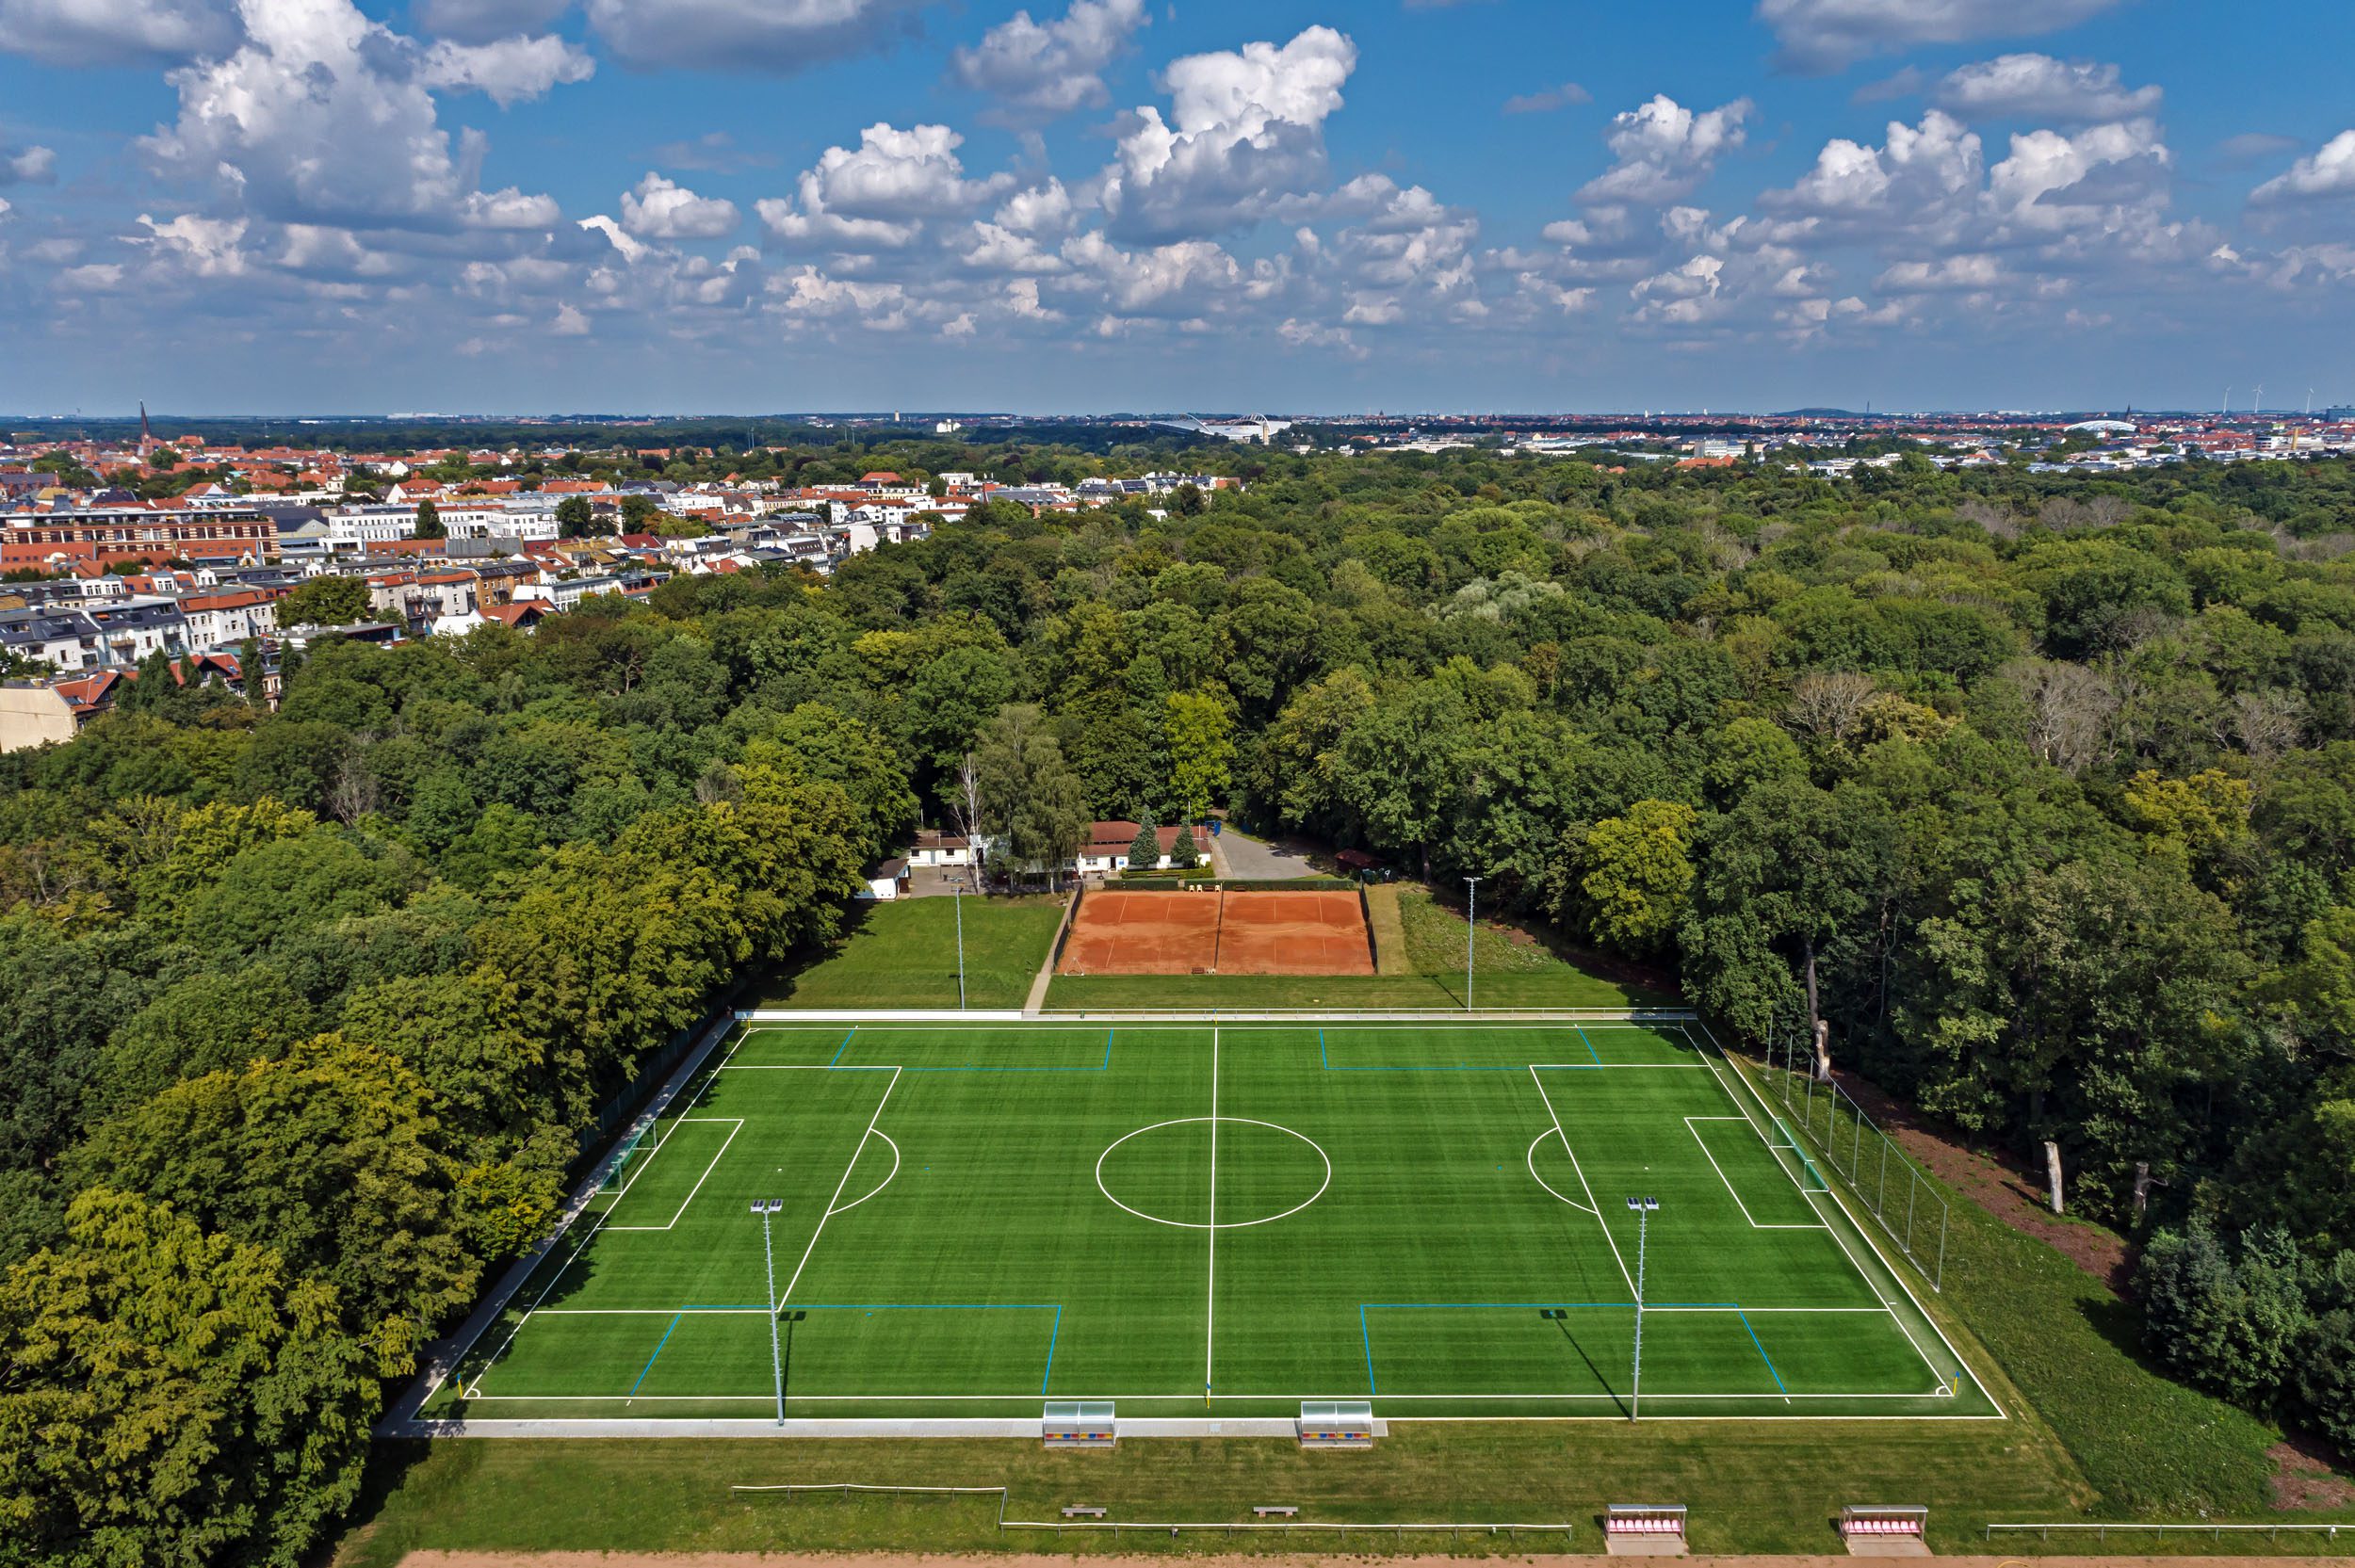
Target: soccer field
x=1198, y=1220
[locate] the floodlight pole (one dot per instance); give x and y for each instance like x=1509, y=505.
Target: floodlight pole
x=764, y=1207
x=1471, y=906
x=1643, y=1207
x=959, y=892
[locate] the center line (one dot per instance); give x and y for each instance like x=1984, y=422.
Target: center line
x=1209, y=1311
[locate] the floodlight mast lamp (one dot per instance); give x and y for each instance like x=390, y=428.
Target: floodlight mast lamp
x=1471, y=906
x=764, y=1207
x=959, y=890
x=1643, y=1210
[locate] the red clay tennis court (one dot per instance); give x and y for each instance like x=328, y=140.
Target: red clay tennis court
x=1315, y=932
x=1141, y=933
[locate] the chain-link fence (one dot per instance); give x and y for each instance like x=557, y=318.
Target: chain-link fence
x=1899, y=1195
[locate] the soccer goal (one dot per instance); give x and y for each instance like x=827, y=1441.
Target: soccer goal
x=1785, y=1143
x=633, y=1153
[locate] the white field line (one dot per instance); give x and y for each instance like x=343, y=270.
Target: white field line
x=837, y=1192
x=714, y=1165
x=586, y=1237
x=1728, y=1181
x=879, y=1185
x=1210, y=1308
x=1592, y=1207
x=1550, y=1132
x=1171, y=1398
x=660, y=1144
x=1894, y=1272
x=634, y=1312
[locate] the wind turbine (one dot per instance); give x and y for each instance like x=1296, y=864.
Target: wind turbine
x=2258, y=402
x=2228, y=402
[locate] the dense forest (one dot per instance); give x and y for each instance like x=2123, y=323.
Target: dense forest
x=2039, y=790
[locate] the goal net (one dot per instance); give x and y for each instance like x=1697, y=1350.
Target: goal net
x=1785, y=1144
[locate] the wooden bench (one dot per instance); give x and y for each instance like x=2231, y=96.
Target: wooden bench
x=1082, y=1511
x=1279, y=1510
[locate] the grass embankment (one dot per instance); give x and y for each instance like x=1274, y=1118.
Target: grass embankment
x=1390, y=931
x=903, y=954
x=1511, y=969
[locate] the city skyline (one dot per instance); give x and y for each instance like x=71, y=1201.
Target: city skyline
x=484, y=206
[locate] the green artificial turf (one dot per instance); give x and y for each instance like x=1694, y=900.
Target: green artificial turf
x=903, y=954
x=1187, y=1219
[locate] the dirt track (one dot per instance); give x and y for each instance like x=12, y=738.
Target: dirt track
x=1032, y=1560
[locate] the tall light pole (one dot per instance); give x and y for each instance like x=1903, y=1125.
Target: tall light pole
x=1471, y=905
x=959, y=890
x=764, y=1207
x=1643, y=1208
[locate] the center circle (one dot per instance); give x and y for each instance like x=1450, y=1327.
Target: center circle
x=1264, y=1165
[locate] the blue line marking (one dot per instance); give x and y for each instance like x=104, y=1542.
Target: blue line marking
x=1322, y=1055
x=1761, y=1351
x=1108, y=1050
x=844, y=1046
x=658, y=1350
x=1365, y=1335
x=1051, y=1335
x=1590, y=1046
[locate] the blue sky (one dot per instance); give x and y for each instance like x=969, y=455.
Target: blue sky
x=729, y=205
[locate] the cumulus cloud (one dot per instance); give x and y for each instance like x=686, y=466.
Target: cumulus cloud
x=1937, y=164
x=2054, y=183
x=568, y=322
x=1822, y=35
x=486, y=21
x=1038, y=70
x=1962, y=272
x=879, y=195
x=1665, y=150
x=659, y=209
x=325, y=117
x=29, y=166
x=115, y=32
x=780, y=36
x=1245, y=131
x=2326, y=173
x=508, y=71
x=2037, y=86
x=201, y=247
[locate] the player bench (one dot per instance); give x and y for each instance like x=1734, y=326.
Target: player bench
x=1885, y=1530
x=1644, y=1530
x=1082, y=1511
x=1276, y=1510
x=1335, y=1424
x=1088, y=1424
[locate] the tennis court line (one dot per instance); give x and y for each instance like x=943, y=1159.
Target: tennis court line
x=1593, y=1208
x=1736, y=1196
x=837, y=1191
x=714, y=1165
